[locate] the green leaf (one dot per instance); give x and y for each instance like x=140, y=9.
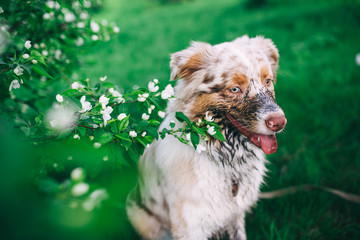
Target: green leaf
x=218, y=135
x=106, y=138
x=124, y=123
x=125, y=140
x=181, y=117
x=37, y=68
x=141, y=141
x=81, y=130
x=70, y=92
x=164, y=132
x=195, y=139
x=152, y=132
x=38, y=56
x=172, y=124
x=198, y=130
x=142, y=125
x=108, y=85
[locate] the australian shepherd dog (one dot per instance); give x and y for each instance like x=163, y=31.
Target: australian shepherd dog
x=183, y=194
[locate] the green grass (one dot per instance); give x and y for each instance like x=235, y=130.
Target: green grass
x=318, y=88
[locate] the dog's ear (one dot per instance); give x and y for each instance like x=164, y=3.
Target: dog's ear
x=185, y=63
x=271, y=52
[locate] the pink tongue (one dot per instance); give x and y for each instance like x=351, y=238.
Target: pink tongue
x=268, y=143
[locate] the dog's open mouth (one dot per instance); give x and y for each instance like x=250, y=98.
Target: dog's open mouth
x=267, y=143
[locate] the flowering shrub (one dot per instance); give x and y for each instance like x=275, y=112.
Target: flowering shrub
x=81, y=129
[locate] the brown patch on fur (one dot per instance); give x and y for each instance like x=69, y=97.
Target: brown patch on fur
x=218, y=87
x=202, y=104
x=224, y=75
x=192, y=65
x=241, y=81
x=265, y=75
x=208, y=78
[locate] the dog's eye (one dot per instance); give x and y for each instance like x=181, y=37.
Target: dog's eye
x=268, y=81
x=235, y=89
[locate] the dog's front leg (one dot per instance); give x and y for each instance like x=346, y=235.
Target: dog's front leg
x=187, y=222
x=236, y=230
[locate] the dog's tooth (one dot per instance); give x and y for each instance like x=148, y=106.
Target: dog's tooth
x=258, y=139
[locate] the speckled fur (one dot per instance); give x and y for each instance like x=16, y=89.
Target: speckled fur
x=182, y=194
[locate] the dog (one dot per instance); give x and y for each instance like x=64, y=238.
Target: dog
x=183, y=194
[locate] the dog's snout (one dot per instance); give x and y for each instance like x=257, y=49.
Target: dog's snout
x=276, y=122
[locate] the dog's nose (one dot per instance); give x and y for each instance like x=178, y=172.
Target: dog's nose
x=276, y=122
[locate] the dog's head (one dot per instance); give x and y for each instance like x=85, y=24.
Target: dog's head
x=234, y=82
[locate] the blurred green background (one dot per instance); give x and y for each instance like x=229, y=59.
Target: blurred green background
x=318, y=88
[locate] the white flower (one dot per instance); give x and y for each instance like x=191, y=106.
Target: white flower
x=44, y=52
x=59, y=98
x=105, y=158
x=152, y=87
x=79, y=42
x=27, y=44
x=141, y=98
x=80, y=25
x=168, y=92
x=188, y=137
x=91, y=138
x=97, y=145
x=211, y=130
x=161, y=114
x=102, y=79
x=87, y=4
x=199, y=122
x=104, y=22
x=116, y=29
x=1, y=10
x=133, y=134
x=104, y=101
x=116, y=94
x=145, y=117
x=76, y=136
x=200, y=148
x=18, y=71
x=58, y=54
x=26, y=56
x=80, y=189
x=84, y=15
x=143, y=134
x=94, y=37
x=94, y=26
x=52, y=4
x=69, y=17
x=46, y=16
x=156, y=81
x=106, y=114
x=208, y=117
x=42, y=45
x=14, y=84
x=86, y=106
x=358, y=59
x=34, y=61
x=78, y=174
x=121, y=116
x=60, y=117
x=76, y=85
x=95, y=199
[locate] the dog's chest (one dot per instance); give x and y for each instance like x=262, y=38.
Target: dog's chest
x=239, y=167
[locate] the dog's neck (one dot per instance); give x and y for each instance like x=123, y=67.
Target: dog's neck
x=236, y=151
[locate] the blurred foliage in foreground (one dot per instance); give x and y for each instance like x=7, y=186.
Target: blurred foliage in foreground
x=67, y=138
